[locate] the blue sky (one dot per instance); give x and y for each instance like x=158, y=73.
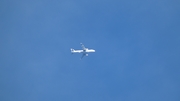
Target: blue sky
x=137, y=47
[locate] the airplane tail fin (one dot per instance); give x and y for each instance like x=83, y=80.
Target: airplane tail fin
x=72, y=50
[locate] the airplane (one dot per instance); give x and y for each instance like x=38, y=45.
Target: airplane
x=84, y=51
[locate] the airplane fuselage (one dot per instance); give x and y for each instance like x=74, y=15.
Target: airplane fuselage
x=83, y=51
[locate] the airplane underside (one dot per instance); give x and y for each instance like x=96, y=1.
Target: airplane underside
x=84, y=52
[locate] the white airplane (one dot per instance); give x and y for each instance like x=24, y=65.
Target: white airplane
x=84, y=51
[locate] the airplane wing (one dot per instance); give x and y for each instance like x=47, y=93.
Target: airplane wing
x=83, y=47
x=83, y=55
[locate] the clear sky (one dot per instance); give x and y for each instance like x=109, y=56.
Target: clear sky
x=137, y=47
